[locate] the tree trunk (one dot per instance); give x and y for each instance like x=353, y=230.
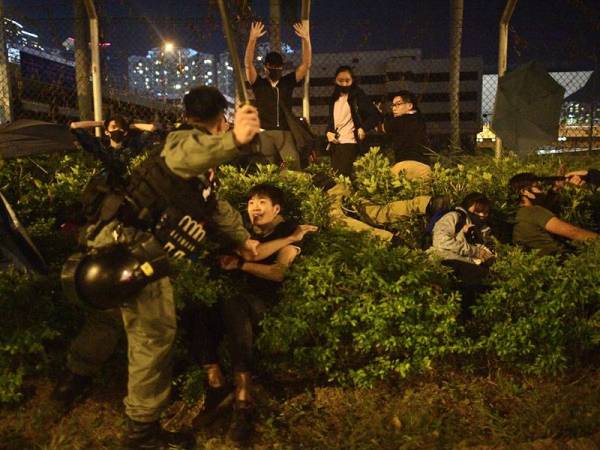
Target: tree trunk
x=456, y=26
x=82, y=61
x=275, y=25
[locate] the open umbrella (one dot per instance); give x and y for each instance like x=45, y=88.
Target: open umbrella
x=590, y=94
x=25, y=137
x=528, y=106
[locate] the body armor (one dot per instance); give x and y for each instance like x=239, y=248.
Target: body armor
x=174, y=211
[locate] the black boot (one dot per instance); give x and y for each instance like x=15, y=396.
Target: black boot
x=150, y=436
x=216, y=401
x=242, y=422
x=70, y=389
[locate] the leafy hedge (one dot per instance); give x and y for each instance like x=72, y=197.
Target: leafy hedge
x=360, y=311
x=353, y=309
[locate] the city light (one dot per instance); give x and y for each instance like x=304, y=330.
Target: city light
x=169, y=47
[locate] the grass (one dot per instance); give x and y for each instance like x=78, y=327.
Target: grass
x=445, y=411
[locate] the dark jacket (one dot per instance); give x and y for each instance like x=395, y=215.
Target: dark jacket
x=408, y=137
x=364, y=113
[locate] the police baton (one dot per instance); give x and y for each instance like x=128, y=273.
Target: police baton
x=240, y=84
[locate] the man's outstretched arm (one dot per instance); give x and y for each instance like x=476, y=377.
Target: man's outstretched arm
x=302, y=31
x=257, y=29
x=565, y=229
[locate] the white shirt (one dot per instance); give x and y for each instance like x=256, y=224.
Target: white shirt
x=342, y=120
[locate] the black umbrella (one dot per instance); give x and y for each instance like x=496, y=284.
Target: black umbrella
x=528, y=106
x=25, y=137
x=590, y=94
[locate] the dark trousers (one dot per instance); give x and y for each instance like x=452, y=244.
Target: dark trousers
x=237, y=317
x=471, y=282
x=342, y=158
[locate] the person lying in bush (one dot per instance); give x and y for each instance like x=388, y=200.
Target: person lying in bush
x=536, y=226
x=459, y=239
x=241, y=315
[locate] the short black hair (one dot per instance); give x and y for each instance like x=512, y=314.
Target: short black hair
x=481, y=202
x=120, y=121
x=522, y=181
x=407, y=96
x=204, y=103
x=274, y=59
x=269, y=191
x=341, y=69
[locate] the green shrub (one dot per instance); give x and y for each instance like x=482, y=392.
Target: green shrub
x=304, y=201
x=541, y=316
x=358, y=311
x=31, y=319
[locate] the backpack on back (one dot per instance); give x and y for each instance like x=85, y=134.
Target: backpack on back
x=434, y=216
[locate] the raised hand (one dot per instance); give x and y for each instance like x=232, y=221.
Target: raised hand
x=301, y=31
x=257, y=29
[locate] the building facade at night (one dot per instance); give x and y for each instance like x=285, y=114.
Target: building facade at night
x=18, y=38
x=170, y=74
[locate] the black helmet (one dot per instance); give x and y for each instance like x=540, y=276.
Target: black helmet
x=108, y=277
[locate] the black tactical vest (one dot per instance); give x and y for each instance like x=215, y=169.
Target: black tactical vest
x=175, y=209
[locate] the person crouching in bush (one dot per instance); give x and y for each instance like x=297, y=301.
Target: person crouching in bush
x=240, y=316
x=537, y=227
x=459, y=239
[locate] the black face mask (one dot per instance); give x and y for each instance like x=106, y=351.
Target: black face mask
x=476, y=220
x=118, y=136
x=541, y=199
x=275, y=74
x=344, y=89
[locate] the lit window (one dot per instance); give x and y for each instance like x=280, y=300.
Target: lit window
x=177, y=86
x=207, y=61
x=209, y=73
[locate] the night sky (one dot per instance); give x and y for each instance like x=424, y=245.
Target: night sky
x=560, y=33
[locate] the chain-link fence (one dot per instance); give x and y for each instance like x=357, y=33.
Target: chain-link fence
x=148, y=62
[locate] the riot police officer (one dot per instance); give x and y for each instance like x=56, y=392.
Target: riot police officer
x=165, y=209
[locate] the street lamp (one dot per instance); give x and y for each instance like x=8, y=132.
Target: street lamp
x=169, y=47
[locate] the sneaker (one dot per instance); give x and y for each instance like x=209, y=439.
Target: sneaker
x=216, y=401
x=150, y=436
x=71, y=389
x=242, y=423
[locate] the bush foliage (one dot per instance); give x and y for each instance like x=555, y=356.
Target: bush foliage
x=353, y=309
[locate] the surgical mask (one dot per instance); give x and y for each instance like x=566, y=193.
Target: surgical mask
x=344, y=89
x=117, y=136
x=275, y=74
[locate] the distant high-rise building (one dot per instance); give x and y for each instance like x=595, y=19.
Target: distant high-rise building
x=18, y=38
x=170, y=74
x=225, y=77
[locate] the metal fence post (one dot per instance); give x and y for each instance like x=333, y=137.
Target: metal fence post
x=5, y=81
x=95, y=47
x=82, y=62
x=306, y=91
x=455, y=45
x=509, y=9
